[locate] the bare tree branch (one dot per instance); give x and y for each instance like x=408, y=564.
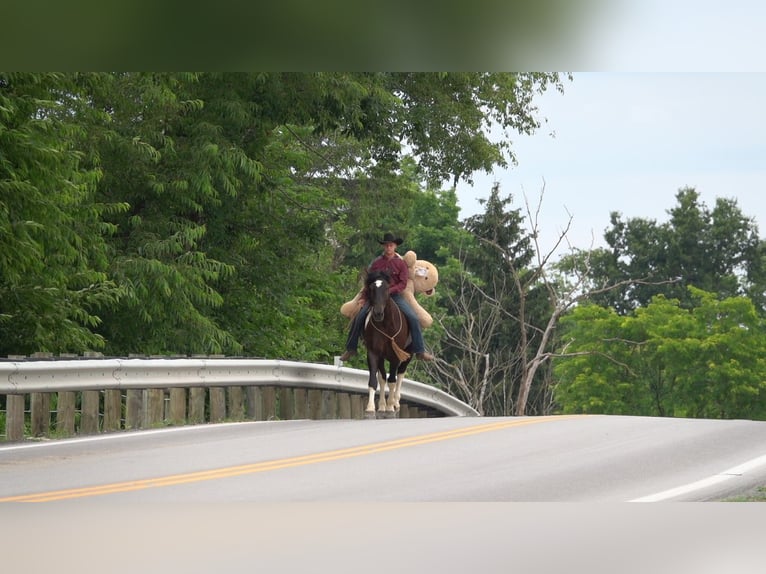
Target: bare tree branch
x=473, y=338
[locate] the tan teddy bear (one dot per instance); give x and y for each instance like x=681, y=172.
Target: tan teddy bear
x=423, y=277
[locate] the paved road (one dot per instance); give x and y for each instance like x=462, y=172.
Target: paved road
x=573, y=459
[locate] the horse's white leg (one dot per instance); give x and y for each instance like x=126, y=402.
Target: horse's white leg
x=383, y=385
x=396, y=391
x=393, y=401
x=370, y=400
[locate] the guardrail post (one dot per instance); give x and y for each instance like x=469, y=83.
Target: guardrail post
x=89, y=408
x=315, y=404
x=133, y=407
x=154, y=407
x=236, y=410
x=269, y=398
x=300, y=400
x=344, y=406
x=196, y=405
x=254, y=403
x=177, y=408
x=65, y=407
x=358, y=403
x=217, y=404
x=112, y=409
x=40, y=405
x=286, y=404
x=329, y=405
x=14, y=417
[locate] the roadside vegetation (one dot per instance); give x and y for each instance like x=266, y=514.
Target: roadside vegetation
x=755, y=495
x=231, y=214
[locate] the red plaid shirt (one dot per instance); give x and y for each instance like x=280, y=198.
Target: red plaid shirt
x=396, y=269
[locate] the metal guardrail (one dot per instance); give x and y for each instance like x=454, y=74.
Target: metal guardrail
x=23, y=377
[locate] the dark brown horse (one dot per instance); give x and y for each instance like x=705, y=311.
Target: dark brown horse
x=387, y=337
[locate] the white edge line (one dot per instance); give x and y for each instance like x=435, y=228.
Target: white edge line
x=733, y=472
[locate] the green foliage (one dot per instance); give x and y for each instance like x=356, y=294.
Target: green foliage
x=682, y=333
x=227, y=212
x=231, y=212
x=457, y=110
x=666, y=360
x=715, y=250
x=53, y=278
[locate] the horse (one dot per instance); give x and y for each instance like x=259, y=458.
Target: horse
x=387, y=338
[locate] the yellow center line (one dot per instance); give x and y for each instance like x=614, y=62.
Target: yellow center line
x=253, y=468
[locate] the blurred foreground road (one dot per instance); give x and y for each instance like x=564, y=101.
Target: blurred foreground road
x=448, y=495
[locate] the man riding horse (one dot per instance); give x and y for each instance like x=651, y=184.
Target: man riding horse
x=396, y=269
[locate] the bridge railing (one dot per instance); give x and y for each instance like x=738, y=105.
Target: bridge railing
x=87, y=396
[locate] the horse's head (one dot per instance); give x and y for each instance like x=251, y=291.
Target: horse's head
x=377, y=283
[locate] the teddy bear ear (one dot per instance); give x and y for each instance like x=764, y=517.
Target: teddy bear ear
x=410, y=257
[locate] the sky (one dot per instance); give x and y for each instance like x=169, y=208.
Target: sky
x=628, y=141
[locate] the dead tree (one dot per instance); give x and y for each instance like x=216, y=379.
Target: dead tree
x=473, y=373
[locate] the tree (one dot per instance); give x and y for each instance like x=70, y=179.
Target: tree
x=53, y=280
x=470, y=364
x=171, y=168
x=509, y=308
x=494, y=313
x=217, y=212
x=718, y=251
x=666, y=360
x=458, y=111
x=594, y=373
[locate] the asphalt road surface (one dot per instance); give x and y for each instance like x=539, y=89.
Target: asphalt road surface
x=416, y=495
x=545, y=459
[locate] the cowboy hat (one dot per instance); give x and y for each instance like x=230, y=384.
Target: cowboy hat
x=389, y=238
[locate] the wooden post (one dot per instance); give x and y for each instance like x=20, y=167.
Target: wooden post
x=329, y=404
x=344, y=406
x=133, y=408
x=196, y=405
x=236, y=406
x=40, y=405
x=112, y=410
x=254, y=403
x=300, y=400
x=89, y=411
x=217, y=404
x=177, y=409
x=269, y=396
x=65, y=407
x=358, y=402
x=14, y=417
x=286, y=404
x=154, y=407
x=315, y=404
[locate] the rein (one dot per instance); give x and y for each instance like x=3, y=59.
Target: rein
x=401, y=353
x=399, y=330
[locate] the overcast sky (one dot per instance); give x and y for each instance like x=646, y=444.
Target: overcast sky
x=626, y=142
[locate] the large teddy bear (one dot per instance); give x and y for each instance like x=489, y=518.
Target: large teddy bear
x=423, y=277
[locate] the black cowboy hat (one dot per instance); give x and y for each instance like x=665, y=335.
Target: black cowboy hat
x=389, y=238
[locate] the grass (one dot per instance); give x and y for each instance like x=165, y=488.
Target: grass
x=756, y=495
